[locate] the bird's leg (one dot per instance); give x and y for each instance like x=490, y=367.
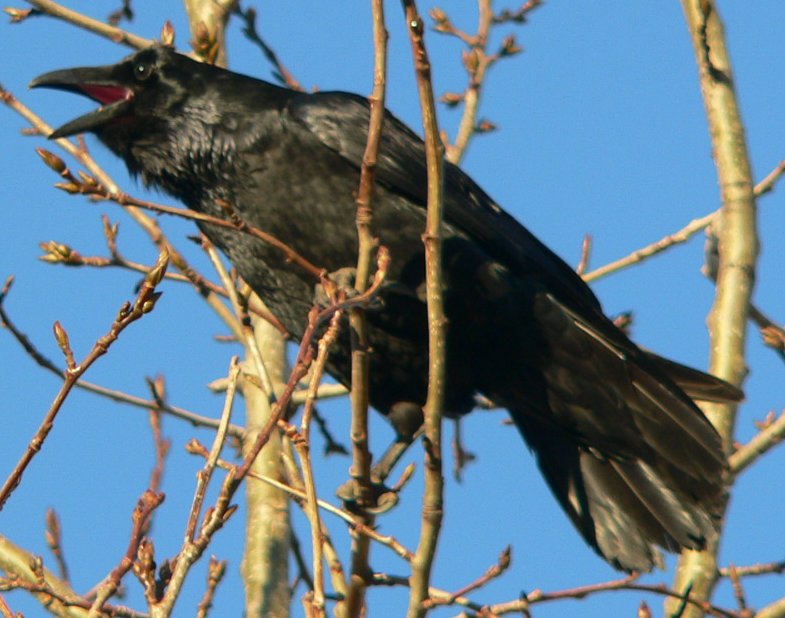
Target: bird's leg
x=341, y=283
x=407, y=419
x=337, y=283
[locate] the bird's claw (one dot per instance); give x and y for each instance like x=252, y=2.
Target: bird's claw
x=336, y=285
x=380, y=500
x=339, y=285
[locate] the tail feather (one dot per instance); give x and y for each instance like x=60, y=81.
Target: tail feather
x=624, y=509
x=630, y=457
x=697, y=384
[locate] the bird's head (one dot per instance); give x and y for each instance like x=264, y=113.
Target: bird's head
x=135, y=94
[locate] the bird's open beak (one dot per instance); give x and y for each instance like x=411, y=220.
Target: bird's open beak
x=97, y=83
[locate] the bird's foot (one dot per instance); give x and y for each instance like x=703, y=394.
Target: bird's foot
x=340, y=285
x=375, y=498
x=335, y=286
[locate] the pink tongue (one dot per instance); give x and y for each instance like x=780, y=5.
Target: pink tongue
x=105, y=94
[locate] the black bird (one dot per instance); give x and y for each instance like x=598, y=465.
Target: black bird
x=631, y=459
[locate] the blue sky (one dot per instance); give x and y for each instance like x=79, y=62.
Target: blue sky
x=601, y=131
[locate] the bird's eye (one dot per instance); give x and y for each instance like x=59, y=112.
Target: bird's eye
x=142, y=71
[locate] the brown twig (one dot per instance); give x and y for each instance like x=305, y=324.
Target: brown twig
x=93, y=187
x=301, y=440
x=331, y=445
x=640, y=255
x=54, y=539
x=305, y=355
x=196, y=541
x=5, y=610
x=197, y=420
x=280, y=71
x=148, y=224
x=162, y=445
x=738, y=589
x=432, y=509
x=28, y=573
x=765, y=440
x=477, y=61
x=219, y=514
x=61, y=253
x=149, y=501
x=125, y=11
x=523, y=605
x=502, y=564
x=360, y=470
x=215, y=573
x=205, y=474
x=386, y=540
x=756, y=569
x=683, y=235
x=520, y=14
x=113, y=33
x=129, y=313
x=583, y=264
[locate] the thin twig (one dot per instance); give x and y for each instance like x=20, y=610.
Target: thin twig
x=129, y=313
x=639, y=255
x=93, y=187
x=223, y=509
x=242, y=324
x=205, y=474
x=197, y=420
x=301, y=441
x=215, y=573
x=502, y=564
x=54, y=539
x=141, y=521
x=432, y=509
x=386, y=540
x=683, y=235
x=756, y=569
x=279, y=69
x=765, y=440
x=147, y=223
x=113, y=33
x=360, y=469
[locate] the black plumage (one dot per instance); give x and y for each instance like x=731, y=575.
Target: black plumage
x=629, y=456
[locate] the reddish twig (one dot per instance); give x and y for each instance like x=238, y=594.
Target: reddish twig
x=197, y=420
x=54, y=539
x=503, y=563
x=769, y=437
x=129, y=313
x=162, y=445
x=141, y=523
x=252, y=34
x=301, y=440
x=583, y=264
x=93, y=187
x=360, y=470
x=756, y=569
x=205, y=474
x=215, y=573
x=432, y=509
x=113, y=33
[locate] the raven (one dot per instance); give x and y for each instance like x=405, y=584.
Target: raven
x=629, y=456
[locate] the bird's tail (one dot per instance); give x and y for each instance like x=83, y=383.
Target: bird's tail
x=627, y=506
x=629, y=456
x=624, y=508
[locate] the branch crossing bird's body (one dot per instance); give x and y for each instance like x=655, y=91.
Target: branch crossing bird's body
x=629, y=456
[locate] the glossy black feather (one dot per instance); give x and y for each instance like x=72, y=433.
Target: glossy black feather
x=629, y=456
